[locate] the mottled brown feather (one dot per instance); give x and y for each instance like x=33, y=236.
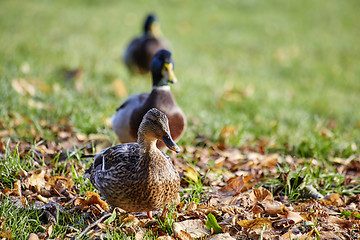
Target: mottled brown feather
x=137, y=177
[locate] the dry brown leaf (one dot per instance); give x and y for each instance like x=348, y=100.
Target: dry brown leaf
x=261, y=195
x=192, y=206
x=326, y=133
x=93, y=199
x=33, y=236
x=182, y=235
x=341, y=222
x=274, y=208
x=232, y=210
x=282, y=224
x=234, y=186
x=221, y=236
x=165, y=238
x=7, y=191
x=196, y=228
x=51, y=183
x=3, y=133
x=336, y=199
x=139, y=235
x=296, y=217
x=255, y=223
x=49, y=230
x=257, y=210
x=119, y=88
x=37, y=180
x=226, y=133
x=17, y=188
x=290, y=235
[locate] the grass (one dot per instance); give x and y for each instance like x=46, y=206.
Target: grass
x=283, y=72
x=289, y=72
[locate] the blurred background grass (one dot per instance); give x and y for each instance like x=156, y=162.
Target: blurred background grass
x=277, y=70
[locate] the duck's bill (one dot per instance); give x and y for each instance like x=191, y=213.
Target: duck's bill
x=170, y=143
x=169, y=72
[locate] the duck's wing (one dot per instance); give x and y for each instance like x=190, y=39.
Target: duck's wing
x=119, y=154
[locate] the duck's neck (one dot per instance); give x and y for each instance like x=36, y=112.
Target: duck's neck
x=149, y=145
x=164, y=87
x=159, y=81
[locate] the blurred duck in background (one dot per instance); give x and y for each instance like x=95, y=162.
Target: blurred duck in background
x=141, y=50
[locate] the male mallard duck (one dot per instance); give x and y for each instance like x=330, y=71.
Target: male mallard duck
x=138, y=177
x=141, y=50
x=129, y=115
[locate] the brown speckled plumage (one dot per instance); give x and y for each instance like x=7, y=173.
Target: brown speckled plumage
x=138, y=177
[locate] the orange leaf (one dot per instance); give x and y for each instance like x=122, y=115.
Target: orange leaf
x=234, y=185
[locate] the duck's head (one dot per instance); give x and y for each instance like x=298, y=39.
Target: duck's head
x=155, y=126
x=152, y=26
x=162, y=68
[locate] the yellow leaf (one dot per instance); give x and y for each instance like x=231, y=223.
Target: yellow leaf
x=191, y=174
x=17, y=188
x=256, y=223
x=119, y=88
x=226, y=133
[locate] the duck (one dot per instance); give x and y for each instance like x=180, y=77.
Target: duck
x=138, y=177
x=141, y=50
x=126, y=120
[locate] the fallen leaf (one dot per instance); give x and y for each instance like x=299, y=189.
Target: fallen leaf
x=326, y=133
x=234, y=186
x=261, y=195
x=226, y=133
x=93, y=199
x=33, y=236
x=274, y=208
x=17, y=188
x=282, y=224
x=221, y=236
x=191, y=174
x=257, y=223
x=212, y=225
x=196, y=228
x=119, y=88
x=22, y=87
x=37, y=180
x=182, y=235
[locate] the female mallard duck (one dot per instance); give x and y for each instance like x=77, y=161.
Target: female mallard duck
x=141, y=50
x=127, y=119
x=138, y=177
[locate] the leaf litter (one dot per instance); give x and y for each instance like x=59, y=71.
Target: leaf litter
x=231, y=205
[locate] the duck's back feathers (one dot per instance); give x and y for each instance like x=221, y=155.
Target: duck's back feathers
x=121, y=119
x=130, y=181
